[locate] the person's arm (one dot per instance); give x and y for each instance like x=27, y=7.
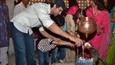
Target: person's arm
x=49, y=24
x=54, y=28
x=44, y=33
x=61, y=42
x=69, y=20
x=56, y=41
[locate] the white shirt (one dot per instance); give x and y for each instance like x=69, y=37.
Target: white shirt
x=30, y=17
x=19, y=8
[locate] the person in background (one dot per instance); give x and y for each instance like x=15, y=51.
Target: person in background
x=59, y=53
x=76, y=11
x=34, y=16
x=21, y=6
x=4, y=32
x=70, y=24
x=101, y=40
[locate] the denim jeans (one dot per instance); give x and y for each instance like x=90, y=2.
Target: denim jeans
x=43, y=58
x=57, y=53
x=61, y=53
x=23, y=46
x=53, y=54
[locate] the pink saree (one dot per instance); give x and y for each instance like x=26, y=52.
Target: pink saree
x=102, y=40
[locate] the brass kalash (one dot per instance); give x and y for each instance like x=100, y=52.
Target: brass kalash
x=86, y=28
x=86, y=55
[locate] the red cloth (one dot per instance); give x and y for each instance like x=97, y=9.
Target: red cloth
x=72, y=10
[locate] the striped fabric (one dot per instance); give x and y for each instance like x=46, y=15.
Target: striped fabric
x=45, y=45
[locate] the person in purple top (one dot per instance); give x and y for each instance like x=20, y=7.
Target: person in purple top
x=4, y=39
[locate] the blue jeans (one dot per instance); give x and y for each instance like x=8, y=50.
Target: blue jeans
x=61, y=53
x=43, y=58
x=23, y=46
x=53, y=54
x=57, y=53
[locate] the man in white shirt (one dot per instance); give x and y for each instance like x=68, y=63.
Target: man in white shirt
x=21, y=6
x=35, y=15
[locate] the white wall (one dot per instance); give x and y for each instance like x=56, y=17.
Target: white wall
x=10, y=4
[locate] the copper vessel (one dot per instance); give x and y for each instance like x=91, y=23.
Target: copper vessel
x=87, y=27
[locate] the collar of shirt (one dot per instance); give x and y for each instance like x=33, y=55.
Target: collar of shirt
x=49, y=9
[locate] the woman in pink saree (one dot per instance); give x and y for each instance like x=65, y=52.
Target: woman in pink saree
x=101, y=41
x=97, y=10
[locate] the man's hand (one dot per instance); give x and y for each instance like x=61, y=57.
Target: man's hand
x=61, y=42
x=77, y=41
x=55, y=29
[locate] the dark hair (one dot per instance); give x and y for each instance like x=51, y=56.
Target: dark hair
x=72, y=2
x=59, y=20
x=52, y=4
x=59, y=4
x=100, y=4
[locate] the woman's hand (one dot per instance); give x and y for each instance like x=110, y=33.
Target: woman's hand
x=87, y=45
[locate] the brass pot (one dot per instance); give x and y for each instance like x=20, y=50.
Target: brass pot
x=87, y=26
